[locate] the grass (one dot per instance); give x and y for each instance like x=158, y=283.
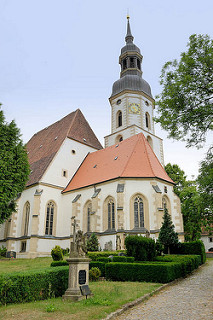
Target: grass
x=108, y=297
x=15, y=265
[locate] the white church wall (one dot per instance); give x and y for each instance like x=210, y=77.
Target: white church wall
x=68, y=159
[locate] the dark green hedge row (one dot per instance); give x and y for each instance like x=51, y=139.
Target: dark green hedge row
x=193, y=247
x=59, y=263
x=98, y=264
x=159, y=271
x=31, y=286
x=99, y=254
x=188, y=262
x=141, y=248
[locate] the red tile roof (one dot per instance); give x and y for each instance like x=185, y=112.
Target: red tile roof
x=43, y=146
x=131, y=158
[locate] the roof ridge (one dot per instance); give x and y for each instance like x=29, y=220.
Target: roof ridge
x=129, y=156
x=75, y=115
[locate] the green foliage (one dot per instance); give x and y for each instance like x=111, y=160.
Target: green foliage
x=141, y=248
x=192, y=248
x=92, y=243
x=167, y=236
x=30, y=286
x=95, y=255
x=98, y=264
x=3, y=251
x=56, y=253
x=14, y=167
x=178, y=176
x=185, y=104
x=162, y=271
x=59, y=263
x=94, y=274
x=159, y=248
x=65, y=252
x=191, y=210
x=104, y=259
x=205, y=188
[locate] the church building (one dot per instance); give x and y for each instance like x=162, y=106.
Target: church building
x=114, y=191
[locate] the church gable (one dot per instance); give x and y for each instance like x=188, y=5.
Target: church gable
x=44, y=145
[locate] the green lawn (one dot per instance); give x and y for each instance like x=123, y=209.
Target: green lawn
x=107, y=297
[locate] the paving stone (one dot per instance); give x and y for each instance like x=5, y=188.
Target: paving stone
x=188, y=299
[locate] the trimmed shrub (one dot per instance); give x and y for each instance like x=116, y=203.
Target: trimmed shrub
x=119, y=259
x=3, y=251
x=56, y=253
x=94, y=274
x=130, y=259
x=191, y=248
x=104, y=259
x=141, y=248
x=98, y=264
x=98, y=254
x=92, y=243
x=31, y=286
x=59, y=263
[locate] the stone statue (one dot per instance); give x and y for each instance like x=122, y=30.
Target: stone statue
x=78, y=246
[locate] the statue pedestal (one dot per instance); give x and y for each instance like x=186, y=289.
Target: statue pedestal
x=78, y=275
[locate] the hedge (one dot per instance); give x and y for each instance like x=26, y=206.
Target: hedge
x=141, y=248
x=31, y=286
x=193, y=247
x=98, y=254
x=59, y=263
x=98, y=264
x=164, y=270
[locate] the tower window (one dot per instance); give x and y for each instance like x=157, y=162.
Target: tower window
x=64, y=173
x=132, y=63
x=147, y=120
x=124, y=64
x=138, y=64
x=119, y=119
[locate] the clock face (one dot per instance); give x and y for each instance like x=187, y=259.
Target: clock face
x=134, y=108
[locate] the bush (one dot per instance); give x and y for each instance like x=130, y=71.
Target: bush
x=98, y=254
x=104, y=259
x=31, y=286
x=141, y=248
x=164, y=270
x=92, y=243
x=98, y=264
x=123, y=259
x=56, y=253
x=59, y=263
x=94, y=274
x=191, y=248
x=65, y=252
x=3, y=251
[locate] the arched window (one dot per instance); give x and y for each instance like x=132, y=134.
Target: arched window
x=147, y=120
x=119, y=121
x=49, y=218
x=119, y=138
x=149, y=139
x=89, y=210
x=111, y=214
x=26, y=215
x=138, y=213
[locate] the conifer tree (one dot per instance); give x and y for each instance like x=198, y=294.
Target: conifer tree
x=167, y=236
x=92, y=243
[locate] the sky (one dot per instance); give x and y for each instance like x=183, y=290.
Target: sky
x=60, y=55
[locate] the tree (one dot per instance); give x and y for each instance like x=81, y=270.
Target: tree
x=178, y=176
x=185, y=105
x=167, y=236
x=14, y=167
x=192, y=214
x=205, y=187
x=92, y=243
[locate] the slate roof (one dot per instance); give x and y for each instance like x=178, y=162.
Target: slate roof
x=44, y=145
x=131, y=158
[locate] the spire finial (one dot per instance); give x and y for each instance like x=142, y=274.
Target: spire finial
x=129, y=38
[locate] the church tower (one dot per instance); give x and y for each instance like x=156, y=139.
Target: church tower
x=131, y=100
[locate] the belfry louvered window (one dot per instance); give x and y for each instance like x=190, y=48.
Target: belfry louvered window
x=49, y=218
x=111, y=215
x=138, y=212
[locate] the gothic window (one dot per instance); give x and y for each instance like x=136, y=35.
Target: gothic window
x=111, y=214
x=89, y=210
x=49, y=218
x=138, y=213
x=119, y=119
x=26, y=215
x=147, y=120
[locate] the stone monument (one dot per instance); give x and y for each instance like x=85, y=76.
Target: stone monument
x=78, y=283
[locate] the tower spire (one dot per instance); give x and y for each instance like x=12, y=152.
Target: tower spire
x=129, y=37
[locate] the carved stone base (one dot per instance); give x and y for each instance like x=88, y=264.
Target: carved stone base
x=72, y=295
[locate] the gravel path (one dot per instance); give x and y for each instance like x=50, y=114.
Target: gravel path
x=188, y=299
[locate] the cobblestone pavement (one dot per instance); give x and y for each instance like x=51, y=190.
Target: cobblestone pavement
x=189, y=299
